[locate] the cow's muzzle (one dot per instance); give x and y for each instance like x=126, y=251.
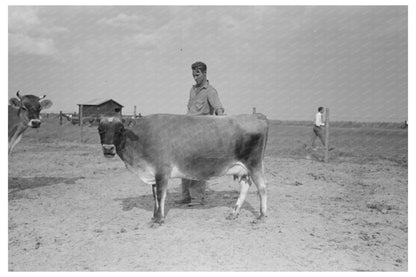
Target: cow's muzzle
x=34, y=123
x=109, y=150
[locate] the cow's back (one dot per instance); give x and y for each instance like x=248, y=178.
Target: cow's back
x=164, y=133
x=166, y=126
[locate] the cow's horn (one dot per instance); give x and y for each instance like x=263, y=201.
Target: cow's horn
x=18, y=94
x=42, y=97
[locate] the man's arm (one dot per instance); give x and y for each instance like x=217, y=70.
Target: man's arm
x=219, y=111
x=215, y=102
x=189, y=102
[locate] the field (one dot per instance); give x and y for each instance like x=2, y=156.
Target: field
x=71, y=209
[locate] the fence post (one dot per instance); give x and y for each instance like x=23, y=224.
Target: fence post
x=326, y=135
x=60, y=117
x=254, y=110
x=135, y=116
x=81, y=123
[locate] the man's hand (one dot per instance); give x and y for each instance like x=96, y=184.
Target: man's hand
x=219, y=111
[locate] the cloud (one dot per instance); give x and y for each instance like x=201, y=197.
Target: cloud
x=142, y=41
x=23, y=19
x=121, y=20
x=146, y=19
x=24, y=44
x=143, y=30
x=229, y=23
x=50, y=30
x=29, y=34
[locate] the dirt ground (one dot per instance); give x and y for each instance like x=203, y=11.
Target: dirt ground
x=71, y=209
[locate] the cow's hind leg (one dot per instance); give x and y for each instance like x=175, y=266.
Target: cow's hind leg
x=160, y=192
x=260, y=182
x=244, y=186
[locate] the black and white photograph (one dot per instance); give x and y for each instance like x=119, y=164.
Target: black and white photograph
x=207, y=138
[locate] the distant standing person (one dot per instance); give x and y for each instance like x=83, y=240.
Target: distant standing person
x=317, y=128
x=203, y=100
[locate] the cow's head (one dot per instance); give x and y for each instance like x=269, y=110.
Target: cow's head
x=111, y=130
x=29, y=107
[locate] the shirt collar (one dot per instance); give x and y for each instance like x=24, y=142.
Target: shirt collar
x=205, y=85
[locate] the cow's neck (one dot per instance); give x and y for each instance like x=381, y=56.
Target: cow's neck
x=130, y=149
x=120, y=148
x=18, y=129
x=125, y=151
x=132, y=155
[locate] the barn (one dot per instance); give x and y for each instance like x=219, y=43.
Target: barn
x=98, y=107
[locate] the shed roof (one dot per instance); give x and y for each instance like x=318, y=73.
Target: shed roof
x=99, y=101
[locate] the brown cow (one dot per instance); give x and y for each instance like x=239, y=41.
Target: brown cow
x=163, y=146
x=27, y=115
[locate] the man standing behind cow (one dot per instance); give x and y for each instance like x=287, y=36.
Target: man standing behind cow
x=203, y=100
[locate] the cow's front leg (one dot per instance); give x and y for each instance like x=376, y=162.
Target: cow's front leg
x=156, y=203
x=18, y=132
x=160, y=192
x=244, y=186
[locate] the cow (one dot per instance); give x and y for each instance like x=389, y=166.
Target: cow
x=163, y=146
x=27, y=115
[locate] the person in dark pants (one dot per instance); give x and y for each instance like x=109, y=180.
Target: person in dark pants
x=317, y=128
x=203, y=100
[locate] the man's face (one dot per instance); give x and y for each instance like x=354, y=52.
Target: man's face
x=199, y=76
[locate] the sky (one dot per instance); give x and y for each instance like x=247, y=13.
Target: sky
x=284, y=60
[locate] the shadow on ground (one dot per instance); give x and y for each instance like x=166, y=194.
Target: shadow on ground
x=17, y=184
x=212, y=199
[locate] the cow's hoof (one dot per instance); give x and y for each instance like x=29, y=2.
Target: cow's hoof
x=155, y=225
x=232, y=216
x=193, y=204
x=156, y=221
x=183, y=201
x=159, y=221
x=259, y=220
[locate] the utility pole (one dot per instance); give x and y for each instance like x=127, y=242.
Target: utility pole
x=326, y=135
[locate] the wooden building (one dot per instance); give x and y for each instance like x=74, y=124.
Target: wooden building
x=99, y=107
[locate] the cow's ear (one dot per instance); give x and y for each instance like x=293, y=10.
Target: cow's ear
x=15, y=103
x=46, y=104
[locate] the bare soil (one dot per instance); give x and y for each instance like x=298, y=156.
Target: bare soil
x=71, y=209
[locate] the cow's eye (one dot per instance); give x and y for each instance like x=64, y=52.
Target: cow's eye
x=24, y=108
